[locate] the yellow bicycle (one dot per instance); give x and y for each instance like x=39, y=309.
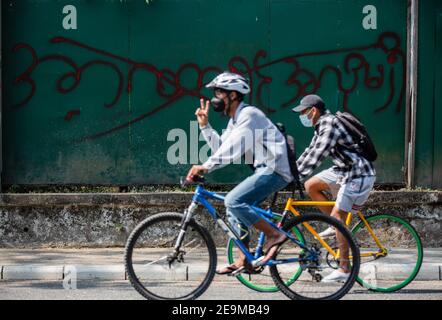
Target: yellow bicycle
x=390, y=249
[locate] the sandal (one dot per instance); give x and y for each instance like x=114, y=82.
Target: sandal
x=248, y=268
x=227, y=270
x=272, y=250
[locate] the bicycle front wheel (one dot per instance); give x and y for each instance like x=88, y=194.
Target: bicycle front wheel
x=391, y=252
x=317, y=259
x=158, y=270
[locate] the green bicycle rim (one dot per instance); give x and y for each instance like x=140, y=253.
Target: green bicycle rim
x=256, y=287
x=419, y=247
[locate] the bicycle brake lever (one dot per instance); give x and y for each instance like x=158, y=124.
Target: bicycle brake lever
x=189, y=180
x=183, y=181
x=198, y=179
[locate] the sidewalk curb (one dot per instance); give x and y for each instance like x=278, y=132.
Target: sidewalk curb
x=428, y=272
x=98, y=272
x=32, y=272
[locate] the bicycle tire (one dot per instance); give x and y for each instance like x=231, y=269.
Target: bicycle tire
x=355, y=259
x=249, y=283
x=177, y=218
x=419, y=251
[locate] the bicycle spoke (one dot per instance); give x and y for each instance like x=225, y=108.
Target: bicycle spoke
x=317, y=263
x=262, y=281
x=402, y=259
x=158, y=260
x=170, y=274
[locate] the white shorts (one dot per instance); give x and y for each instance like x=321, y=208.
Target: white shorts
x=349, y=196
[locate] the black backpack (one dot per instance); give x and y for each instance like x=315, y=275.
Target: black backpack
x=365, y=146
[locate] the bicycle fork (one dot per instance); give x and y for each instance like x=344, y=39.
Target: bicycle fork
x=188, y=213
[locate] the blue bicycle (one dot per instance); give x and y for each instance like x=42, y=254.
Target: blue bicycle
x=173, y=256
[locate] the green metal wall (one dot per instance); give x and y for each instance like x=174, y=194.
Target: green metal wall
x=437, y=167
x=429, y=109
x=95, y=105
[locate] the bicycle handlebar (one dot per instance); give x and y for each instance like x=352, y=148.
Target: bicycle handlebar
x=191, y=180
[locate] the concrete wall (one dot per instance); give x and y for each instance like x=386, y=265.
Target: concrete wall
x=101, y=220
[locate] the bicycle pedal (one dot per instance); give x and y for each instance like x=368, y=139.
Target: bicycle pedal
x=238, y=271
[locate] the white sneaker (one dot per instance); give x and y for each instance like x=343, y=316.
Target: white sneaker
x=336, y=276
x=328, y=233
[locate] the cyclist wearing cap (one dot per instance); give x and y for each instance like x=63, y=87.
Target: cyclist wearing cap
x=351, y=178
x=272, y=171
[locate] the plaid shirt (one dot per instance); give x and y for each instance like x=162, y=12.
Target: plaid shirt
x=329, y=139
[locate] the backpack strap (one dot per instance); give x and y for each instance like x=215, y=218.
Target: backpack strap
x=296, y=183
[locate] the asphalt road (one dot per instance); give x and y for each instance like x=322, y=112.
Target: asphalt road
x=219, y=290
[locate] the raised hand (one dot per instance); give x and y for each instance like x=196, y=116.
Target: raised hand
x=202, y=113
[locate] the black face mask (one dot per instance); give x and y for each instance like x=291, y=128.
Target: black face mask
x=218, y=105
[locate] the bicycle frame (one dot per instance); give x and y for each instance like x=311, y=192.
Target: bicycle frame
x=201, y=197
x=291, y=203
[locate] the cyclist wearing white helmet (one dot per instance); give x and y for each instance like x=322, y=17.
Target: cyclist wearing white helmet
x=229, y=82
x=272, y=171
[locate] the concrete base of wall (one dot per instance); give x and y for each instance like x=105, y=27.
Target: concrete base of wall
x=106, y=220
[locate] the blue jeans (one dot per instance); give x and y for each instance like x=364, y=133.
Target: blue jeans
x=252, y=191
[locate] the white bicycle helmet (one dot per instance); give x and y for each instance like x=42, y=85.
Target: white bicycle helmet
x=230, y=82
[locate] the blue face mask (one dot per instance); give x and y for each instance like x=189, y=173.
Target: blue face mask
x=306, y=122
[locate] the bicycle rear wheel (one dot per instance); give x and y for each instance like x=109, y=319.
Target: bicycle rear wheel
x=316, y=261
x=261, y=281
x=395, y=268
x=158, y=271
